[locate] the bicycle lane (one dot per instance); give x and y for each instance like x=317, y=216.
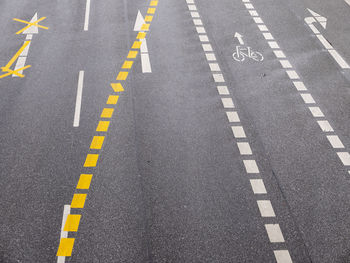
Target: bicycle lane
x=305, y=171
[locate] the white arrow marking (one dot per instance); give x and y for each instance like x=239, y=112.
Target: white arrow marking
x=321, y=19
x=239, y=37
x=32, y=29
x=139, y=22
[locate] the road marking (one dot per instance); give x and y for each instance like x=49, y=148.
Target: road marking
x=223, y=90
x=344, y=157
x=325, y=126
x=279, y=54
x=238, y=132
x=122, y=75
x=258, y=186
x=316, y=112
x=239, y=37
x=218, y=78
x=203, y=38
x=244, y=148
x=214, y=67
x=107, y=113
x=268, y=36
x=308, y=99
x=282, y=256
x=210, y=56
x=72, y=223
x=200, y=30
x=91, y=160
x=347, y=1
x=78, y=99
x=251, y=166
x=285, y=64
x=102, y=126
x=335, y=141
x=197, y=22
x=78, y=201
x=30, y=24
x=84, y=181
x=64, y=234
x=97, y=142
x=65, y=248
x=265, y=208
x=87, y=15
x=112, y=99
x=299, y=85
x=227, y=103
x=274, y=233
x=194, y=14
x=273, y=44
x=292, y=74
x=232, y=116
x=258, y=20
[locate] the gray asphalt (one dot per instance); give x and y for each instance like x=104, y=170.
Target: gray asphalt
x=170, y=185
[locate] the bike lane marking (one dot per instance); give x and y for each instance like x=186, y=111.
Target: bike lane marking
x=264, y=205
x=306, y=96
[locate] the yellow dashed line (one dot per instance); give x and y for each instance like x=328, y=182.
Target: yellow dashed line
x=153, y=3
x=151, y=10
x=112, y=99
x=107, y=113
x=145, y=27
x=97, y=142
x=84, y=181
x=141, y=35
x=136, y=45
x=65, y=248
x=132, y=54
x=117, y=87
x=72, y=223
x=102, y=126
x=122, y=75
x=127, y=64
x=78, y=201
x=91, y=160
x=148, y=18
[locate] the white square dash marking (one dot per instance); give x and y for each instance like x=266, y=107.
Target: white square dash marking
x=249, y=6
x=273, y=44
x=299, y=85
x=258, y=186
x=253, y=13
x=210, y=56
x=207, y=47
x=232, y=116
x=192, y=7
x=325, y=126
x=292, y=74
x=316, y=112
x=285, y=63
x=282, y=256
x=227, y=103
x=279, y=54
x=335, y=141
x=223, y=90
x=200, y=30
x=262, y=28
x=190, y=1
x=244, y=148
x=265, y=208
x=258, y=20
x=251, y=166
x=203, y=38
x=218, y=78
x=344, y=157
x=274, y=232
x=197, y=22
x=308, y=99
x=268, y=36
x=245, y=1
x=214, y=67
x=238, y=132
x=194, y=14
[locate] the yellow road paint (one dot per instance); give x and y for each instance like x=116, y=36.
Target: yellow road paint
x=30, y=24
x=112, y=99
x=102, y=126
x=16, y=72
x=78, y=201
x=84, y=181
x=132, y=54
x=136, y=45
x=141, y=35
x=97, y=142
x=153, y=3
x=66, y=247
x=107, y=113
x=148, y=18
x=117, y=87
x=127, y=64
x=14, y=58
x=145, y=27
x=91, y=160
x=72, y=223
x=151, y=10
x=122, y=75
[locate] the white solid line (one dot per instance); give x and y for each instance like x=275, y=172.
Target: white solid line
x=316, y=112
x=214, y=67
x=194, y=14
x=273, y=44
x=227, y=103
x=238, y=132
x=258, y=186
x=292, y=74
x=342, y=63
x=144, y=48
x=87, y=15
x=207, y=47
x=274, y=232
x=21, y=61
x=192, y=7
x=251, y=166
x=325, y=126
x=232, y=116
x=265, y=208
x=210, y=56
x=197, y=22
x=324, y=42
x=78, y=100
x=299, y=85
x=218, y=78
x=223, y=90
x=249, y=6
x=285, y=64
x=145, y=63
x=244, y=148
x=203, y=38
x=64, y=234
x=308, y=99
x=282, y=256
x=344, y=157
x=335, y=141
x=279, y=54
x=253, y=13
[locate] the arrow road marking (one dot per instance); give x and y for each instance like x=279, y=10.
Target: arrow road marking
x=323, y=22
x=33, y=22
x=239, y=37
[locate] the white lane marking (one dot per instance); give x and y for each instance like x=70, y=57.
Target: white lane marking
x=246, y=1
x=87, y=15
x=210, y=56
x=262, y=28
x=342, y=63
x=282, y=256
x=214, y=67
x=335, y=141
x=238, y=132
x=285, y=64
x=265, y=208
x=274, y=232
x=253, y=13
x=192, y=7
x=227, y=103
x=144, y=48
x=324, y=42
x=207, y=47
x=347, y=1
x=203, y=38
x=258, y=186
x=299, y=85
x=78, y=99
x=273, y=44
x=316, y=112
x=145, y=63
x=194, y=14
x=325, y=126
x=344, y=157
x=218, y=78
x=239, y=38
x=249, y=6
x=139, y=21
x=223, y=90
x=25, y=51
x=198, y=22
x=279, y=54
x=29, y=37
x=244, y=148
x=64, y=234
x=292, y=74
x=268, y=36
x=251, y=166
x=308, y=99
x=232, y=116
x=21, y=61
x=314, y=29
x=200, y=30
x=190, y=1
x=258, y=20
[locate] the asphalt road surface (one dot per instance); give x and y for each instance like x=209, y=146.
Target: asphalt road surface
x=175, y=131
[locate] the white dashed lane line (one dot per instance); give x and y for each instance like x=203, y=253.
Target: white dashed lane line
x=264, y=205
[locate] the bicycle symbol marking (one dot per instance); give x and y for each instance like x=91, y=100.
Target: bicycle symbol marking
x=242, y=52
